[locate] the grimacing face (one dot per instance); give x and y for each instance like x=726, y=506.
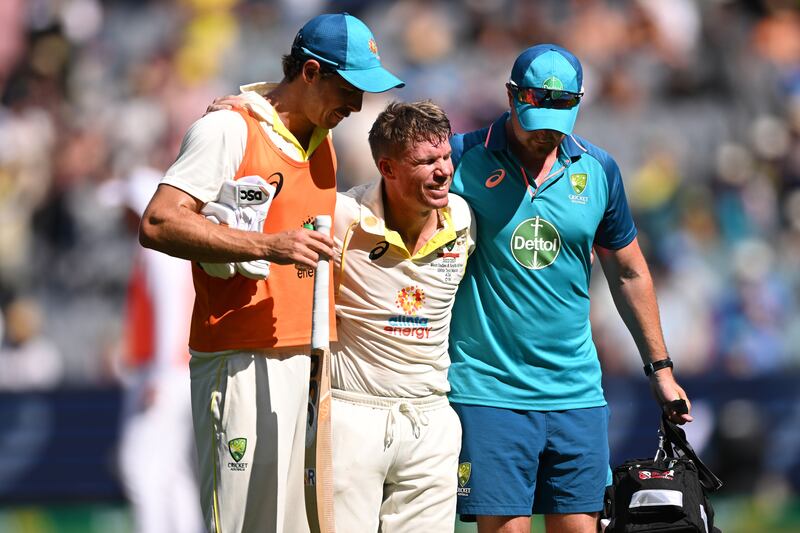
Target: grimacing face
x=421, y=175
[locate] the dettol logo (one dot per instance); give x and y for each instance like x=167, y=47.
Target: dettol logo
x=535, y=243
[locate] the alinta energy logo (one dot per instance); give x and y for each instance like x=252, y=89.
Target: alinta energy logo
x=410, y=300
x=535, y=243
x=302, y=270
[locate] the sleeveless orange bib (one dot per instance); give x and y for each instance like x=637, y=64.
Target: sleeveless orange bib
x=241, y=313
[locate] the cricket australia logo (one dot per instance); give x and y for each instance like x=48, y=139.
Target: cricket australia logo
x=464, y=471
x=237, y=448
x=535, y=243
x=578, y=183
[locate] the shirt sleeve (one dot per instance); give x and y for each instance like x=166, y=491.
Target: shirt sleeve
x=211, y=152
x=617, y=229
x=461, y=143
x=473, y=231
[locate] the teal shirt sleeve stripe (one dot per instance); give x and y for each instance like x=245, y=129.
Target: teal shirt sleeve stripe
x=617, y=229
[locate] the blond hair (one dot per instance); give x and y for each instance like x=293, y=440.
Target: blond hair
x=402, y=124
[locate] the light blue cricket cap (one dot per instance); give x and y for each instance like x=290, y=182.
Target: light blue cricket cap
x=547, y=66
x=345, y=43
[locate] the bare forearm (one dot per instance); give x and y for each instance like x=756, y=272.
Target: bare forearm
x=632, y=288
x=172, y=224
x=635, y=300
x=189, y=235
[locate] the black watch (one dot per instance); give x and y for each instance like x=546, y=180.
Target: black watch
x=649, y=368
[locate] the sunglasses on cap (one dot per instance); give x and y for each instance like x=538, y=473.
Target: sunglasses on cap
x=541, y=97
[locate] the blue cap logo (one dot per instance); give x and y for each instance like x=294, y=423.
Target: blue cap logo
x=345, y=43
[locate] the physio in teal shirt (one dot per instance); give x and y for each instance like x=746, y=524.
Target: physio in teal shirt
x=525, y=377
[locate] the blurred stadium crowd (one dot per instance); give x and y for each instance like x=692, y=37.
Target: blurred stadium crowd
x=699, y=101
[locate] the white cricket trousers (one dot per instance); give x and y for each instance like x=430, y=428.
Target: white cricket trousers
x=249, y=415
x=395, y=463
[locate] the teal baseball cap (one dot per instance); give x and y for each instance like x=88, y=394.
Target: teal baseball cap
x=345, y=43
x=547, y=85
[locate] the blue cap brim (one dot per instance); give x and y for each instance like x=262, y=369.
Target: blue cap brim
x=541, y=118
x=373, y=80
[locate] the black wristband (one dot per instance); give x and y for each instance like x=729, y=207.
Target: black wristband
x=649, y=368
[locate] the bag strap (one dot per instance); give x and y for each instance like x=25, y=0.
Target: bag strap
x=676, y=438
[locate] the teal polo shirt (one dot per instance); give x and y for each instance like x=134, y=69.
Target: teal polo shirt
x=520, y=336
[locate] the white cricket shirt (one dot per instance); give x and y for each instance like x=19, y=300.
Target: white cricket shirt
x=392, y=308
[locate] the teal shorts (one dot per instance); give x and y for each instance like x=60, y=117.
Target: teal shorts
x=518, y=463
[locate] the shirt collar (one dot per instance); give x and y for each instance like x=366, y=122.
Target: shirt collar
x=373, y=221
x=497, y=139
x=253, y=95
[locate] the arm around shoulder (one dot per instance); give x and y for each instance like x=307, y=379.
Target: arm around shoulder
x=463, y=219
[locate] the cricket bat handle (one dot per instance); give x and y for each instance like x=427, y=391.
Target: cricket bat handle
x=320, y=329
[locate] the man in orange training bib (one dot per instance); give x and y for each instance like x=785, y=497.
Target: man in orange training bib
x=253, y=270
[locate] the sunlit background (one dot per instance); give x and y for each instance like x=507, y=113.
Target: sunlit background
x=698, y=101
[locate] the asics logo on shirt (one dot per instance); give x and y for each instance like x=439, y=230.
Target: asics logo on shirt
x=276, y=180
x=495, y=178
x=379, y=250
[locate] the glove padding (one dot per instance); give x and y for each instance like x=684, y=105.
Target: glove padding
x=219, y=214
x=242, y=204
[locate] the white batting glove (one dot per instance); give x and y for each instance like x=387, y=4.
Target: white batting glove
x=255, y=269
x=242, y=204
x=255, y=196
x=219, y=214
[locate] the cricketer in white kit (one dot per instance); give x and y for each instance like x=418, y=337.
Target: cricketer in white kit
x=395, y=438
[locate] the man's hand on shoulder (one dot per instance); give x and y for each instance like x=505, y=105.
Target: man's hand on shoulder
x=226, y=103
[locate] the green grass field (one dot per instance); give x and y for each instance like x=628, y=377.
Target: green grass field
x=734, y=515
